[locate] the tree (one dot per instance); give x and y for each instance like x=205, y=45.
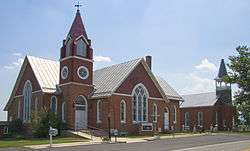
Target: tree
x=240, y=75
x=41, y=121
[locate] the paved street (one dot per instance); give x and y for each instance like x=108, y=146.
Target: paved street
x=199, y=143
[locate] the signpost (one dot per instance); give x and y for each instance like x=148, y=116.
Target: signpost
x=52, y=132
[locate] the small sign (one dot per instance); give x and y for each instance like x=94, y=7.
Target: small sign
x=53, y=131
x=115, y=132
x=147, y=127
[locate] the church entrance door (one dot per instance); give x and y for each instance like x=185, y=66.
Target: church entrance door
x=166, y=121
x=81, y=119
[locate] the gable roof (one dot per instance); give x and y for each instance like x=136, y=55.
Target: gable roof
x=106, y=80
x=46, y=72
x=199, y=100
x=168, y=90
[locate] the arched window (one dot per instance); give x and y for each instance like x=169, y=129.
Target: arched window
x=175, y=115
x=27, y=96
x=155, y=113
x=123, y=111
x=200, y=118
x=63, y=112
x=68, y=47
x=81, y=48
x=140, y=103
x=53, y=104
x=186, y=119
x=98, y=111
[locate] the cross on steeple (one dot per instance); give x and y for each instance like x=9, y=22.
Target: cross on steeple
x=78, y=5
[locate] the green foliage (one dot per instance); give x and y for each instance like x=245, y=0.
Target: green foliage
x=41, y=120
x=15, y=127
x=240, y=75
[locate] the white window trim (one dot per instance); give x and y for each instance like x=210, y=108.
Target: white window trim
x=155, y=114
x=5, y=130
x=77, y=51
x=64, y=68
x=98, y=112
x=147, y=96
x=63, y=112
x=125, y=111
x=175, y=115
x=19, y=109
x=186, y=119
x=51, y=103
x=27, y=116
x=200, y=119
x=68, y=42
x=78, y=72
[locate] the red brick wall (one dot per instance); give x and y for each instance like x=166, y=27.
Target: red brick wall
x=139, y=75
x=112, y=105
x=70, y=93
x=73, y=64
x=224, y=113
x=27, y=75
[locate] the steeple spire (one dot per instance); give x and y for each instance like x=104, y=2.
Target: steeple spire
x=77, y=28
x=222, y=70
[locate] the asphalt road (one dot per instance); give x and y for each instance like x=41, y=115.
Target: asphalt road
x=199, y=143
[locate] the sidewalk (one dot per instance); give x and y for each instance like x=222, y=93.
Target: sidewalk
x=119, y=139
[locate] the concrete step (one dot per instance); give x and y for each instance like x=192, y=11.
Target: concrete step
x=86, y=134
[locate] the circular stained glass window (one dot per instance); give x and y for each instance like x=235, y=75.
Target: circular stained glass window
x=64, y=72
x=83, y=72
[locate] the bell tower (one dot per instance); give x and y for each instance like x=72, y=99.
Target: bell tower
x=223, y=89
x=76, y=62
x=76, y=74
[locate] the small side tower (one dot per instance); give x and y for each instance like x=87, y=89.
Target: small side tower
x=223, y=89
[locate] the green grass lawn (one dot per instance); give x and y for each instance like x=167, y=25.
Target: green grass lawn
x=26, y=142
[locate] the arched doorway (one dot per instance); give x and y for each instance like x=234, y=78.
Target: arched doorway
x=81, y=113
x=166, y=119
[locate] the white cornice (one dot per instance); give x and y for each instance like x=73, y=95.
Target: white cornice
x=76, y=57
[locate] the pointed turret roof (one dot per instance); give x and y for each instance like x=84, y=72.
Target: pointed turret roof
x=222, y=70
x=77, y=28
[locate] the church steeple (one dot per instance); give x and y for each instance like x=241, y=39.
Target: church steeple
x=222, y=70
x=77, y=28
x=223, y=89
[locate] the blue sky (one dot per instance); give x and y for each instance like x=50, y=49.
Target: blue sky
x=187, y=39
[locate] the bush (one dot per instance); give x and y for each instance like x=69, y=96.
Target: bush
x=42, y=120
x=16, y=127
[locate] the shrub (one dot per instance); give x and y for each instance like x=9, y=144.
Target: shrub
x=16, y=127
x=42, y=120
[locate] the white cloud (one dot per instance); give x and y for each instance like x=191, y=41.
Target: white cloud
x=17, y=54
x=206, y=65
x=16, y=63
x=102, y=59
x=197, y=84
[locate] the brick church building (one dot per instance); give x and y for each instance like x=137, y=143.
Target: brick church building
x=128, y=95
x=206, y=111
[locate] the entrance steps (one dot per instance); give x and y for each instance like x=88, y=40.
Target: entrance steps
x=87, y=134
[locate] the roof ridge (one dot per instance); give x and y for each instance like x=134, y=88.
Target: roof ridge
x=198, y=93
x=42, y=58
x=118, y=64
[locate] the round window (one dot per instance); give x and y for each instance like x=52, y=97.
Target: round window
x=83, y=72
x=64, y=72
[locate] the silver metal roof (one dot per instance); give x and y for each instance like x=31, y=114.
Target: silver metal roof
x=46, y=72
x=168, y=90
x=199, y=100
x=109, y=79
x=105, y=80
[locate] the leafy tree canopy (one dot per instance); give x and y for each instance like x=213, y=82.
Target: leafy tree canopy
x=240, y=75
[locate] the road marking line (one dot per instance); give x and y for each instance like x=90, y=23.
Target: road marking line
x=200, y=147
